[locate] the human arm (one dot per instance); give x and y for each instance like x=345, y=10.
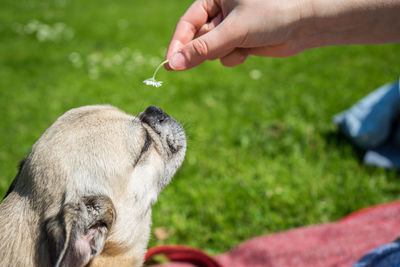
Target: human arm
x=231, y=30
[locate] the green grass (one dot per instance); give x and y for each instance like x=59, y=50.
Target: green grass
x=263, y=155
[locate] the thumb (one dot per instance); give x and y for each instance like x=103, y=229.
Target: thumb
x=215, y=44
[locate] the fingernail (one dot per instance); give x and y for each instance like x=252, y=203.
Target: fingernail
x=176, y=46
x=178, y=62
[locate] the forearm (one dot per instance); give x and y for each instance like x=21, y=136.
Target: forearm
x=341, y=22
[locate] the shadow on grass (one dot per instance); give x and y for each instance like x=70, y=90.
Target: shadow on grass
x=338, y=141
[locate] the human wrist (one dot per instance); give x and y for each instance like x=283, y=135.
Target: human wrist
x=343, y=22
x=335, y=22
x=304, y=25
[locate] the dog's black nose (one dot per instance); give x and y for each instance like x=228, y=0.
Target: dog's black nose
x=155, y=113
x=153, y=116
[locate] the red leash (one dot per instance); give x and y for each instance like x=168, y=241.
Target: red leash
x=182, y=254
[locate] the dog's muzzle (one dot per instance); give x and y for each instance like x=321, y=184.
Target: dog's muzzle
x=166, y=127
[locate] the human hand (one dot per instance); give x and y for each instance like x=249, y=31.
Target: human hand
x=233, y=29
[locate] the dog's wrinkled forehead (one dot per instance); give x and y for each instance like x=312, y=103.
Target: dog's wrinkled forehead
x=95, y=135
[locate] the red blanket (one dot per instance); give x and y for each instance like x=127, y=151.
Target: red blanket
x=334, y=244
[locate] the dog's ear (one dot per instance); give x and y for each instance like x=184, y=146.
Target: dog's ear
x=78, y=233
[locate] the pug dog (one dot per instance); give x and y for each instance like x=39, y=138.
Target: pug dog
x=83, y=195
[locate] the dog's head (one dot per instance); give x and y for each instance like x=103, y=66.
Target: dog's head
x=93, y=177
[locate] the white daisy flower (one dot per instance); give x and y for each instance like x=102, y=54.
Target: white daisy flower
x=152, y=81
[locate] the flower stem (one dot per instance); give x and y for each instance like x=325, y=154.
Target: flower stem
x=159, y=66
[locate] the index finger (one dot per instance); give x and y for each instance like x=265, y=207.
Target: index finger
x=194, y=18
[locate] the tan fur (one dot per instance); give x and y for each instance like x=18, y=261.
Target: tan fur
x=120, y=260
x=86, y=184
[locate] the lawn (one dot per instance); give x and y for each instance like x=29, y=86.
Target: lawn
x=263, y=154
